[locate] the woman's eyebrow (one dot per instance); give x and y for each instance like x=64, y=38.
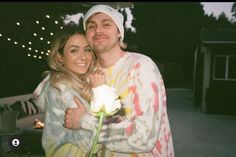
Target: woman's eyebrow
x=74, y=46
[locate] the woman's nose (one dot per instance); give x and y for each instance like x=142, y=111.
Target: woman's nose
x=83, y=55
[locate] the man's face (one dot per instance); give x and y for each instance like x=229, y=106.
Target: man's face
x=102, y=33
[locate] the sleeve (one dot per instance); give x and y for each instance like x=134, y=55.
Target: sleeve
x=139, y=131
x=39, y=93
x=54, y=134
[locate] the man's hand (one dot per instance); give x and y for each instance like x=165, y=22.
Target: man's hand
x=73, y=115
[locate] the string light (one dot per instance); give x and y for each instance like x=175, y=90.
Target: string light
x=47, y=16
x=40, y=44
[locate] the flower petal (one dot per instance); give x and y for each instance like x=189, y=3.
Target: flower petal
x=105, y=98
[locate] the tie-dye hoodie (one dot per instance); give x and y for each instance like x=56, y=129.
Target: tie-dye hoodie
x=145, y=130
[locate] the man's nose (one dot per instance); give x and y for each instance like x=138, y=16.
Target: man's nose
x=99, y=29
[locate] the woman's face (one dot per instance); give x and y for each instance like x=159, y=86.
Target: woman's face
x=77, y=55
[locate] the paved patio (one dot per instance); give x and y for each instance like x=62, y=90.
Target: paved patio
x=196, y=134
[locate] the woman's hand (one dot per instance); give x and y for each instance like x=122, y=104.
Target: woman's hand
x=97, y=78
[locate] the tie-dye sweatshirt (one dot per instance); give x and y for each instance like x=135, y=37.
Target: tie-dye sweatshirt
x=54, y=103
x=145, y=130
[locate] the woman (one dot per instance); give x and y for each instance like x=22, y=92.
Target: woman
x=71, y=61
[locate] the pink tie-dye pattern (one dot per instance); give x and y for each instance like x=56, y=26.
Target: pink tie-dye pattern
x=136, y=101
x=159, y=146
x=156, y=99
x=167, y=137
x=135, y=67
x=163, y=93
x=129, y=130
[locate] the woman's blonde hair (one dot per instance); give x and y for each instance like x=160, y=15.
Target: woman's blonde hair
x=61, y=74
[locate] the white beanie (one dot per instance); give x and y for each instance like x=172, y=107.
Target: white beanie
x=114, y=14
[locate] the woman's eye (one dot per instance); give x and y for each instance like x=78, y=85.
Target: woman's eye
x=74, y=50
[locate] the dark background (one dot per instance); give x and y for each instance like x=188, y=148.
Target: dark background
x=168, y=32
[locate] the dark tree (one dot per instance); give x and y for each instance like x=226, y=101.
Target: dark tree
x=223, y=21
x=169, y=33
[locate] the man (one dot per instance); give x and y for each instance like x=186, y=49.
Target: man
x=145, y=129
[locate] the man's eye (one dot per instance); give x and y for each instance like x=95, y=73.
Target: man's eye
x=88, y=49
x=107, y=24
x=90, y=26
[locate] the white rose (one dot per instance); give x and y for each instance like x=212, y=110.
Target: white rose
x=104, y=99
